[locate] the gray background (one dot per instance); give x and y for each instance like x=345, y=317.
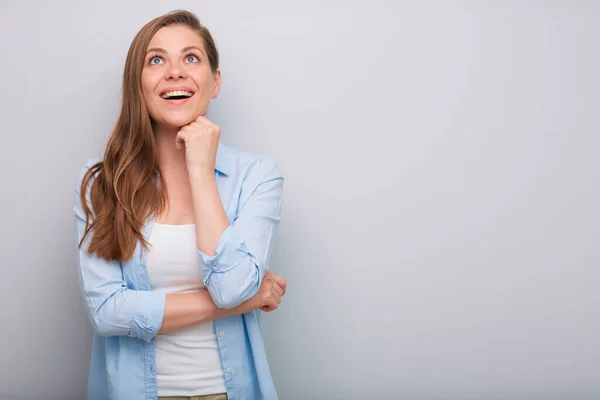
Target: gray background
x=441, y=216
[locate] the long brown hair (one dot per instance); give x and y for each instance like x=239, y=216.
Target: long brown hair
x=126, y=191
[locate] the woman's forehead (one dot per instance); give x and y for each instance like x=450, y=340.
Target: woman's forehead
x=173, y=38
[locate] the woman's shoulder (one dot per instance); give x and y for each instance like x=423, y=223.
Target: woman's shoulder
x=90, y=162
x=248, y=171
x=245, y=164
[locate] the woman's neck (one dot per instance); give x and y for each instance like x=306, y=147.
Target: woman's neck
x=170, y=160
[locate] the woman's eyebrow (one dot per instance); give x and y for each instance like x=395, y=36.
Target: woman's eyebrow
x=156, y=50
x=163, y=51
x=188, y=48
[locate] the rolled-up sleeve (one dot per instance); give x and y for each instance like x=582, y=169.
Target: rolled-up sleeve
x=113, y=308
x=234, y=273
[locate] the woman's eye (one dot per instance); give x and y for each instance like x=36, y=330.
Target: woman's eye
x=155, y=60
x=191, y=58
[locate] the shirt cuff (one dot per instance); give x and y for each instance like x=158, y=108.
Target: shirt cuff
x=230, y=251
x=148, y=314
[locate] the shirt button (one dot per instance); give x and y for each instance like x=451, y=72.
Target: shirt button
x=228, y=370
x=221, y=334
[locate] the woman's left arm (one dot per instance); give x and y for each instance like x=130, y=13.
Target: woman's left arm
x=236, y=256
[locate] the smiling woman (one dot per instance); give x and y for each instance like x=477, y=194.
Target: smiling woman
x=194, y=81
x=173, y=244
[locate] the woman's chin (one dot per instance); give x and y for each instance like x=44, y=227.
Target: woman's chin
x=178, y=121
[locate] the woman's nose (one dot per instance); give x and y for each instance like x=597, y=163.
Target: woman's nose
x=175, y=71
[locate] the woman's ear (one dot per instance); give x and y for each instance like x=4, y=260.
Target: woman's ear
x=216, y=83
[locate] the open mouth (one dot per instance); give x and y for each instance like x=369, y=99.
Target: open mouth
x=177, y=95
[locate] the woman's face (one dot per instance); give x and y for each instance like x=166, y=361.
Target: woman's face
x=177, y=81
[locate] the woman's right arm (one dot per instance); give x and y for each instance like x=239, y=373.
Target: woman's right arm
x=113, y=309
x=187, y=309
x=116, y=310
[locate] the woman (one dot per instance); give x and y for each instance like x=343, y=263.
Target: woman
x=174, y=234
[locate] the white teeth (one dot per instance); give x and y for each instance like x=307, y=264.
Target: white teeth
x=176, y=93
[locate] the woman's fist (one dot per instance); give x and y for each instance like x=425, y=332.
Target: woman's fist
x=270, y=292
x=200, y=139
x=268, y=296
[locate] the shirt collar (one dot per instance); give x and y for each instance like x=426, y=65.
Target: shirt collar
x=222, y=160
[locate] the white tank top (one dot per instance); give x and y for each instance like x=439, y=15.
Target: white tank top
x=188, y=362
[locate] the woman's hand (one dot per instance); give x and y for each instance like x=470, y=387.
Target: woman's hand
x=272, y=288
x=268, y=296
x=201, y=141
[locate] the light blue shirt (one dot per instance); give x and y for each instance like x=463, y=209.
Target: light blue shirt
x=126, y=314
